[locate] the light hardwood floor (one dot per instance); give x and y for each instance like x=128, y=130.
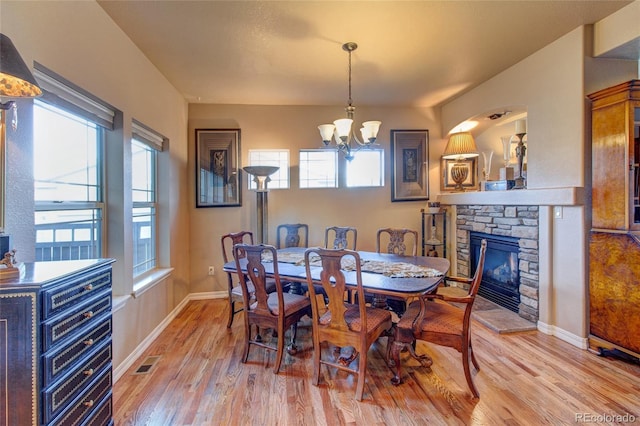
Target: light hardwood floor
x=525, y=379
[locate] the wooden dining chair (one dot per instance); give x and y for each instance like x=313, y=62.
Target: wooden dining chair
x=233, y=285
x=396, y=241
x=295, y=235
x=344, y=237
x=433, y=319
x=343, y=324
x=277, y=311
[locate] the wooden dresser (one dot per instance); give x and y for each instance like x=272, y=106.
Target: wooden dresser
x=614, y=246
x=55, y=344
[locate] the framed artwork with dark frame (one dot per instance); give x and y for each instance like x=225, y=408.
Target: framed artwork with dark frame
x=470, y=183
x=218, y=177
x=409, y=165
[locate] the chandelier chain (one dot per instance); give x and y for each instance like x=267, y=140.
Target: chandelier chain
x=350, y=100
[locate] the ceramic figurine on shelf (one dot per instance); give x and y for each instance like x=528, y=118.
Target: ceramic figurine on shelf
x=9, y=259
x=9, y=268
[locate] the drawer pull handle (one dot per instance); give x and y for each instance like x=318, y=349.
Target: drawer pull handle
x=88, y=287
x=88, y=403
x=88, y=342
x=88, y=372
x=88, y=314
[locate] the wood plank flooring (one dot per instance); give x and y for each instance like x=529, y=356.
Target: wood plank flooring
x=525, y=379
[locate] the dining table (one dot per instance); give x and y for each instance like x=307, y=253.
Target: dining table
x=383, y=274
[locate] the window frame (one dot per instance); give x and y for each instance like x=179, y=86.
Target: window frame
x=301, y=178
x=350, y=163
x=57, y=205
x=149, y=204
x=283, y=168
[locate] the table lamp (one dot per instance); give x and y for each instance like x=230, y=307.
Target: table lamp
x=460, y=146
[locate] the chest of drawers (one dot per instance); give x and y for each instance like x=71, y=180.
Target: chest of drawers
x=55, y=344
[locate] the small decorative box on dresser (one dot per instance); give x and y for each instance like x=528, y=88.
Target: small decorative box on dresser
x=55, y=344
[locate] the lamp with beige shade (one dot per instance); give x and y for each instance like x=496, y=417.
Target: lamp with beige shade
x=460, y=146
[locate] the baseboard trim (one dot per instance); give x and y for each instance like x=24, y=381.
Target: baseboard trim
x=121, y=369
x=564, y=335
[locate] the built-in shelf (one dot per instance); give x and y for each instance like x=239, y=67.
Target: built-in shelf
x=567, y=196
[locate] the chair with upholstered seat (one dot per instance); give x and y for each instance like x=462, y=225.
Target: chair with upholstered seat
x=233, y=286
x=344, y=237
x=277, y=311
x=434, y=319
x=295, y=235
x=343, y=324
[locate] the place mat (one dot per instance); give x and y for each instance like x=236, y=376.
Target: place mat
x=386, y=268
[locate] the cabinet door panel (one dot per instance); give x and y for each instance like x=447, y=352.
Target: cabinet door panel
x=609, y=174
x=615, y=289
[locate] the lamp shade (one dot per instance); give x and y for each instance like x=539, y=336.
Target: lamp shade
x=16, y=81
x=343, y=127
x=460, y=145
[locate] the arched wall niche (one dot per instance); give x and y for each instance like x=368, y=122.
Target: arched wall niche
x=488, y=128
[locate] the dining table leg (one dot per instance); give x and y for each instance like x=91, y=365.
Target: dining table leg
x=401, y=340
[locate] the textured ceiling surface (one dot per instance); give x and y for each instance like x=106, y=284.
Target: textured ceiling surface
x=411, y=53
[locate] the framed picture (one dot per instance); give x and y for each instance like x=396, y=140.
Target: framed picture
x=470, y=183
x=218, y=177
x=409, y=165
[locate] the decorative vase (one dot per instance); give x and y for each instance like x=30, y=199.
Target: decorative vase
x=506, y=150
x=486, y=171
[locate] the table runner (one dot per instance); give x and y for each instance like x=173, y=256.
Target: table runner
x=386, y=268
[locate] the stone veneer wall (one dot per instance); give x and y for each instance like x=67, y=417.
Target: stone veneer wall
x=514, y=221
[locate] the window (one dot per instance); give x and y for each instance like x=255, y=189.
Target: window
x=143, y=186
x=70, y=126
x=318, y=168
x=68, y=188
x=366, y=169
x=144, y=165
x=271, y=157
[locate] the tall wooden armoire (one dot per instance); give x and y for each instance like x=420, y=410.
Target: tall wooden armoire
x=614, y=246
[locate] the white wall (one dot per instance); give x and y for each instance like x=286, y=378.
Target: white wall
x=79, y=41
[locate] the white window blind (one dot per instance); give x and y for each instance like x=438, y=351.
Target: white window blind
x=146, y=135
x=64, y=94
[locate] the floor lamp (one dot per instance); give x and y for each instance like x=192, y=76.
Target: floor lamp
x=261, y=177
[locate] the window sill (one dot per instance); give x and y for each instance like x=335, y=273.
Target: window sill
x=148, y=281
x=118, y=302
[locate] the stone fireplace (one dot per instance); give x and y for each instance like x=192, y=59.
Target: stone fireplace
x=512, y=280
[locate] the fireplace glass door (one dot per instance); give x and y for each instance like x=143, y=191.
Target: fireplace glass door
x=501, y=275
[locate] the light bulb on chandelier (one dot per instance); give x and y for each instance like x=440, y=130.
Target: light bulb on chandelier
x=340, y=131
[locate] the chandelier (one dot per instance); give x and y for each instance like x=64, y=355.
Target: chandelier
x=345, y=139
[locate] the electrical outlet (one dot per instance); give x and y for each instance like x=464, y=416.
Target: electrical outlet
x=212, y=270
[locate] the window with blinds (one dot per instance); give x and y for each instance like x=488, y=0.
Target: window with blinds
x=69, y=132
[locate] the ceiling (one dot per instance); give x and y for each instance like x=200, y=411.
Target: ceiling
x=411, y=53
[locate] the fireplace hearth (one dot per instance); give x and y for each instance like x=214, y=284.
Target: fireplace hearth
x=501, y=275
